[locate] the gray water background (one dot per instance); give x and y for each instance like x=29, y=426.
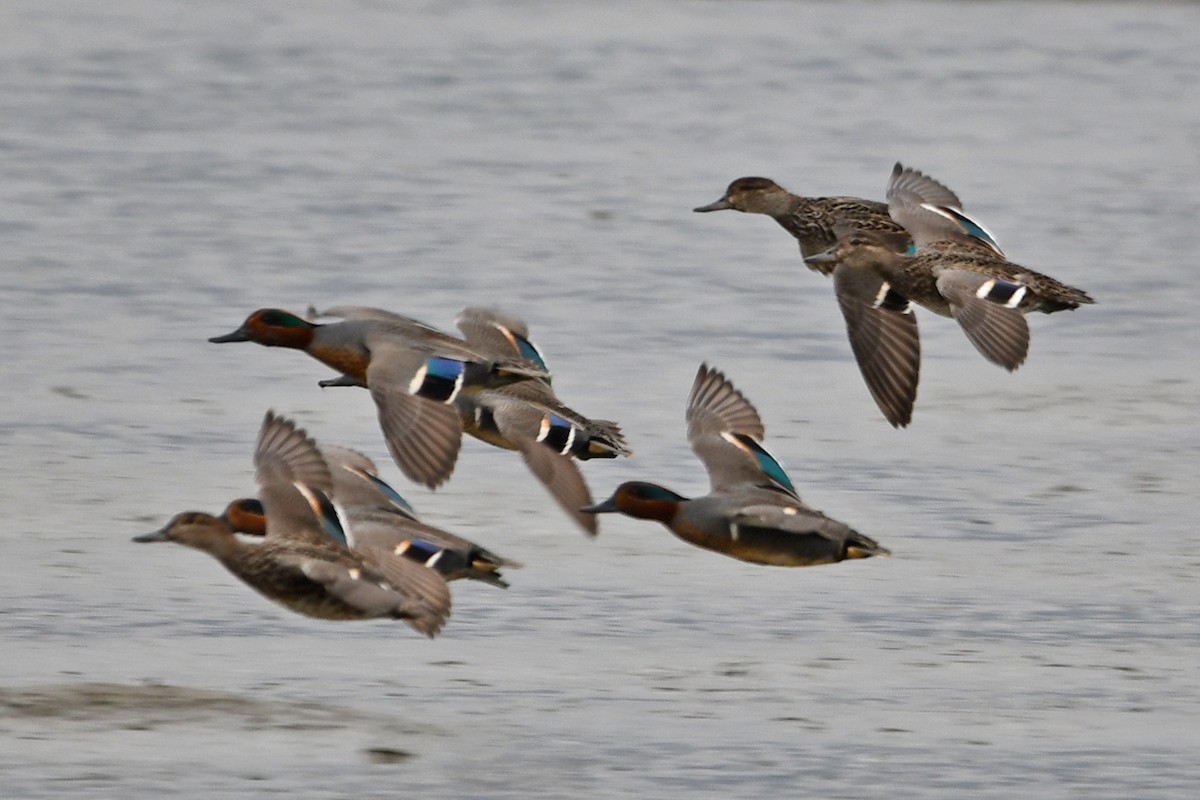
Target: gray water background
x=168, y=167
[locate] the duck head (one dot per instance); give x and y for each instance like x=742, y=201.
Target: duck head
x=194, y=529
x=272, y=327
x=641, y=500
x=753, y=196
x=859, y=248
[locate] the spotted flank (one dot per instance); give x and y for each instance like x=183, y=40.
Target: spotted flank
x=766, y=461
x=1007, y=293
x=557, y=433
x=439, y=379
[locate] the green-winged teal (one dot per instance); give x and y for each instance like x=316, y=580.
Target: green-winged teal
x=753, y=512
x=526, y=416
x=530, y=418
x=880, y=324
x=300, y=564
x=952, y=273
x=377, y=521
x=413, y=371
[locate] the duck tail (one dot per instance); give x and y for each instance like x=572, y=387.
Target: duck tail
x=1072, y=298
x=1057, y=296
x=604, y=440
x=859, y=546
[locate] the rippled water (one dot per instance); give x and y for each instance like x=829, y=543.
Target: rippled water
x=168, y=167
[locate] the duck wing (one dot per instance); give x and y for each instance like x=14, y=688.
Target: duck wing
x=545, y=441
x=423, y=435
x=502, y=335
x=293, y=479
x=995, y=326
x=931, y=212
x=726, y=432
x=356, y=481
x=883, y=335
x=375, y=596
x=562, y=478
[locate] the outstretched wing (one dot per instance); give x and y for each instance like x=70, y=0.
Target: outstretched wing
x=725, y=432
x=356, y=482
x=292, y=476
x=498, y=334
x=932, y=212
x=985, y=308
x=883, y=335
x=423, y=435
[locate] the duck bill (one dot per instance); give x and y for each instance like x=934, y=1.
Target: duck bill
x=720, y=205
x=157, y=536
x=341, y=380
x=237, y=336
x=823, y=258
x=609, y=506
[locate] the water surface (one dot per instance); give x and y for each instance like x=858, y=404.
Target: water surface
x=169, y=167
